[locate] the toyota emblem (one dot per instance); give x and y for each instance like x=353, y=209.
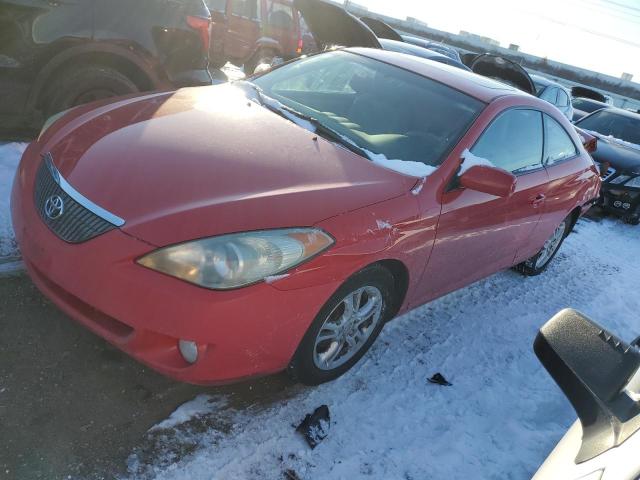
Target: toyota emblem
x=54, y=207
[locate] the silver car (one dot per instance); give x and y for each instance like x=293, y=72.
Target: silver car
x=555, y=94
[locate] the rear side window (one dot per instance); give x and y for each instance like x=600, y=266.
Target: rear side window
x=244, y=8
x=513, y=141
x=558, y=143
x=549, y=95
x=217, y=5
x=563, y=98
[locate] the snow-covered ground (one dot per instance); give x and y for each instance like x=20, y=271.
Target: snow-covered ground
x=499, y=420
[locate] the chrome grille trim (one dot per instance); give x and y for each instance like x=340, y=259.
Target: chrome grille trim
x=78, y=197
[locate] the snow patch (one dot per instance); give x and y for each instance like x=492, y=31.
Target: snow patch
x=414, y=169
x=470, y=160
x=198, y=407
x=275, y=278
x=382, y=225
x=10, y=154
x=275, y=104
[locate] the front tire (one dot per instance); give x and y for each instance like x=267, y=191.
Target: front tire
x=541, y=260
x=345, y=328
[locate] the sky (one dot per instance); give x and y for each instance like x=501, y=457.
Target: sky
x=600, y=35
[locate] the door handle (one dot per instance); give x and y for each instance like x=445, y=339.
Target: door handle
x=538, y=200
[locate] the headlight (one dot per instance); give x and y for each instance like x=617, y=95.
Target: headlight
x=635, y=183
x=239, y=259
x=50, y=121
x=620, y=179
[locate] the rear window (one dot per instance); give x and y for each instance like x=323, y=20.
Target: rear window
x=606, y=122
x=379, y=107
x=586, y=105
x=279, y=15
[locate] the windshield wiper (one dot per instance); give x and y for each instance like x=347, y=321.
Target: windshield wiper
x=320, y=128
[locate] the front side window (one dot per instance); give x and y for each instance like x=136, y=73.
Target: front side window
x=513, y=141
x=378, y=107
x=587, y=105
x=558, y=143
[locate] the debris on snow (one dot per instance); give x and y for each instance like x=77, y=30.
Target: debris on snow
x=275, y=278
x=199, y=406
x=315, y=426
x=439, y=379
x=470, y=160
x=290, y=474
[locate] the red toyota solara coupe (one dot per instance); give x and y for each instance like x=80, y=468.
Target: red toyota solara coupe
x=217, y=233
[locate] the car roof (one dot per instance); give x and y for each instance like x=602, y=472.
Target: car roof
x=591, y=100
x=482, y=88
x=546, y=82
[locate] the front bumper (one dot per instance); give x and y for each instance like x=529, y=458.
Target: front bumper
x=619, y=199
x=240, y=333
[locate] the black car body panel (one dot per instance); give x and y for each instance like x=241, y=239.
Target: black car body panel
x=148, y=41
x=436, y=47
x=331, y=25
x=502, y=69
x=381, y=29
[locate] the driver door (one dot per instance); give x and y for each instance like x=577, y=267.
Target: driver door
x=479, y=234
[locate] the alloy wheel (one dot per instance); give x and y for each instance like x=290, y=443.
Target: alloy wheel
x=347, y=328
x=550, y=246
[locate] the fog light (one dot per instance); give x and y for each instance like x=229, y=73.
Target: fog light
x=189, y=350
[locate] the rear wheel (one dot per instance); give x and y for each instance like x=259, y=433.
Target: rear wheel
x=541, y=260
x=345, y=328
x=84, y=84
x=263, y=55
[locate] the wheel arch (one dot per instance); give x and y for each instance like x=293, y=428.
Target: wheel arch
x=124, y=60
x=574, y=216
x=400, y=274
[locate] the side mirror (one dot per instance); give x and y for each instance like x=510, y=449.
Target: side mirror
x=491, y=180
x=598, y=373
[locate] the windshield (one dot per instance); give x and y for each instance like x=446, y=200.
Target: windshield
x=608, y=123
x=382, y=109
x=587, y=105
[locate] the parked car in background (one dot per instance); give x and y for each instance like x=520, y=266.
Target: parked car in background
x=584, y=106
x=435, y=46
x=600, y=375
x=585, y=92
x=55, y=55
x=409, y=49
x=385, y=31
x=251, y=32
x=306, y=208
x=618, y=157
x=555, y=94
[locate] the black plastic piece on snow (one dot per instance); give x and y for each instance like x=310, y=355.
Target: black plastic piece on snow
x=315, y=426
x=438, y=379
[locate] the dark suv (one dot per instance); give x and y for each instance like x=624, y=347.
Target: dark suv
x=55, y=54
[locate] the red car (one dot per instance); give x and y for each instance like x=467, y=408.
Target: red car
x=223, y=232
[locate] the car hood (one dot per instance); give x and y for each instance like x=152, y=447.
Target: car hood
x=204, y=161
x=621, y=157
x=494, y=66
x=331, y=25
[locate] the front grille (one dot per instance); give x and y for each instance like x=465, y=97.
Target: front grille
x=75, y=224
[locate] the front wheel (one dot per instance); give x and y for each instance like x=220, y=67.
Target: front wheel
x=345, y=328
x=541, y=260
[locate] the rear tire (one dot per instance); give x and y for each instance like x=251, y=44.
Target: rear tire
x=84, y=84
x=333, y=344
x=541, y=260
